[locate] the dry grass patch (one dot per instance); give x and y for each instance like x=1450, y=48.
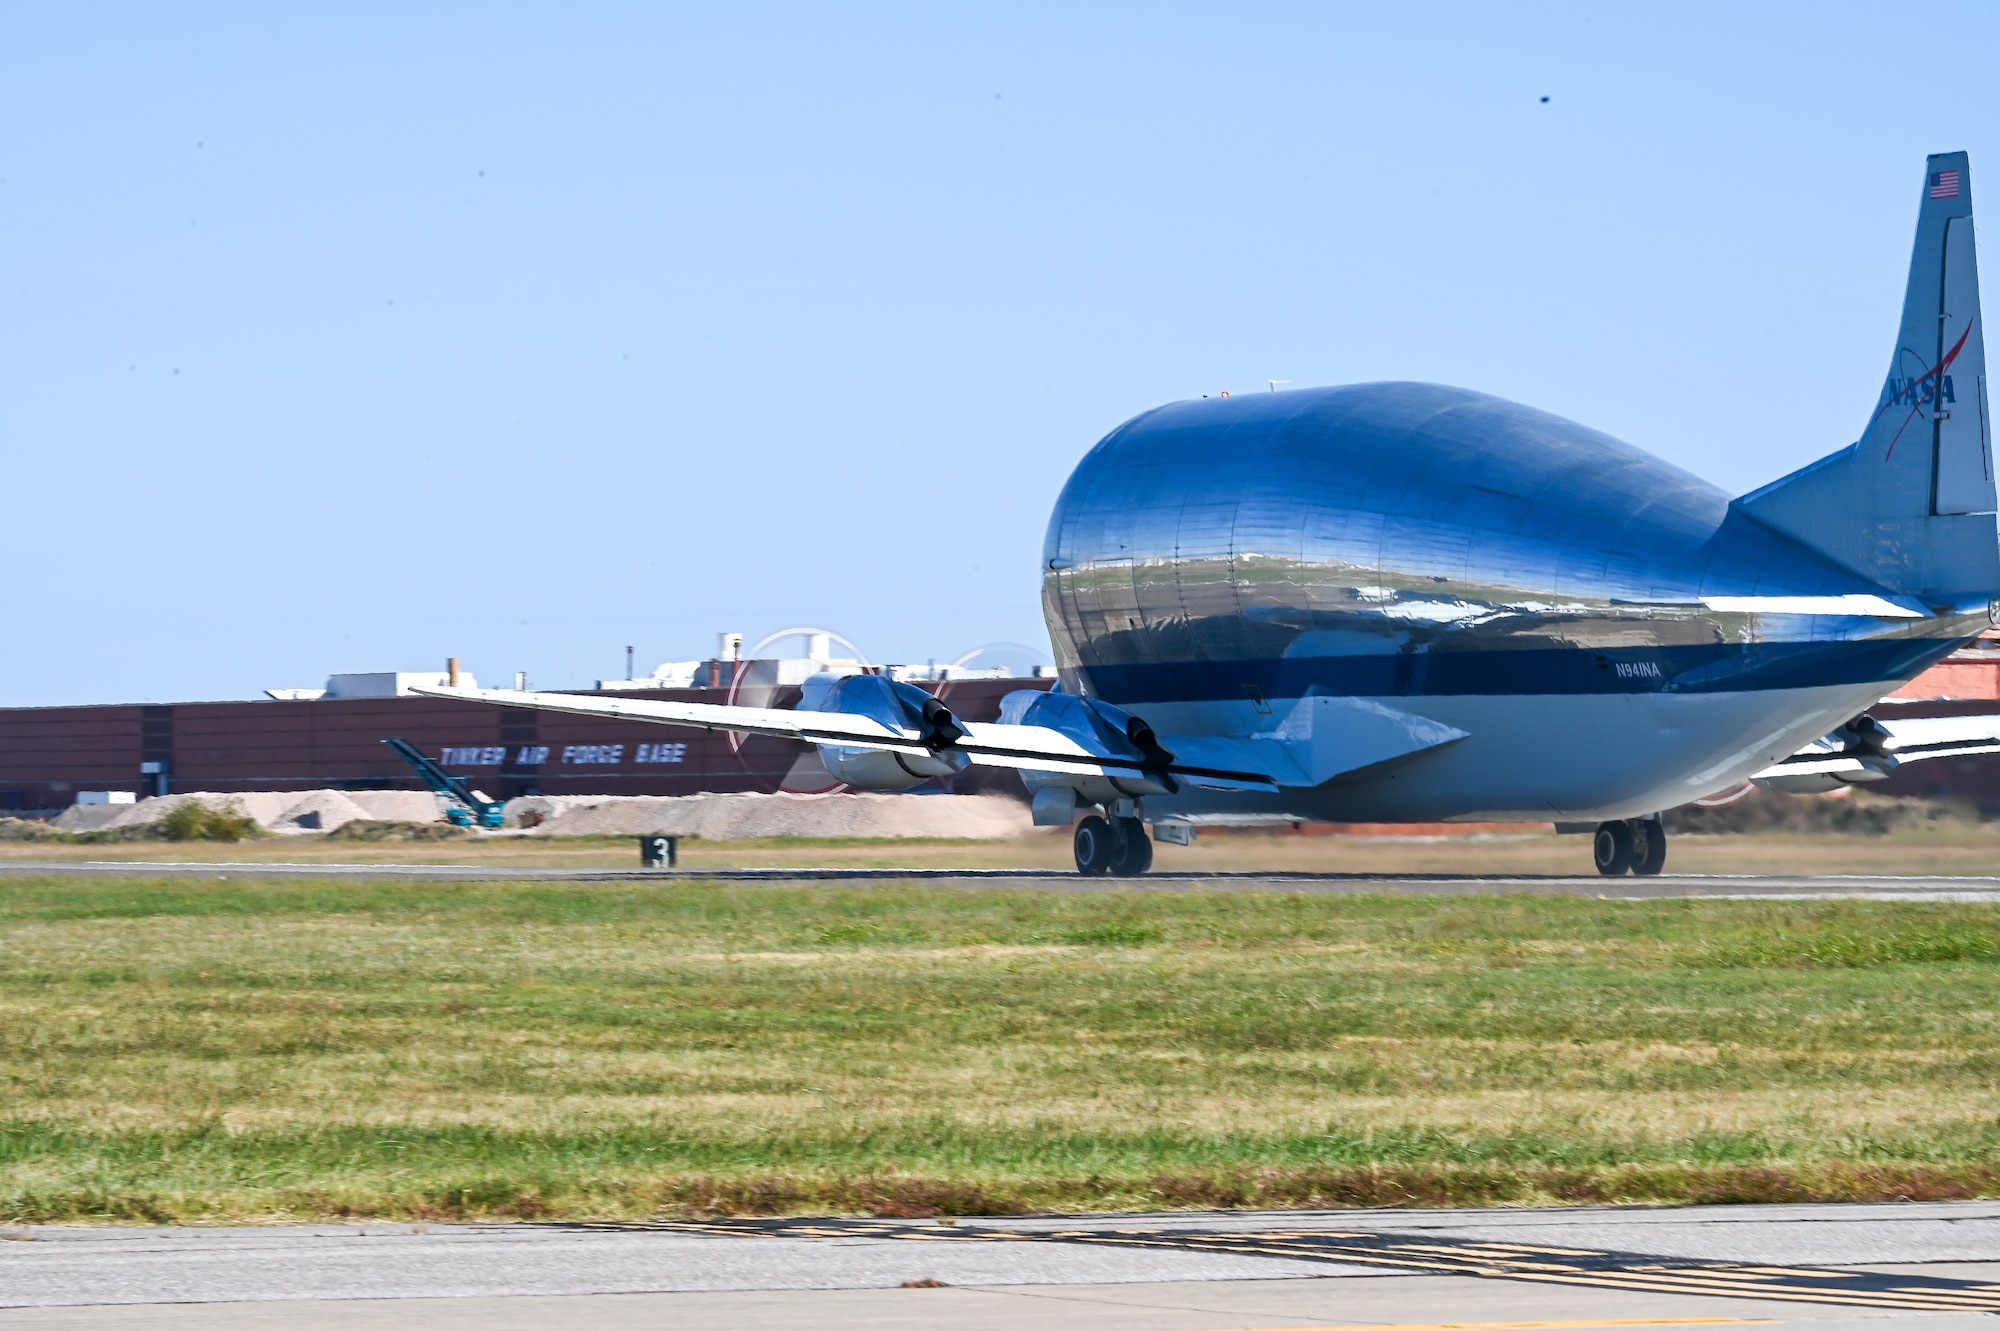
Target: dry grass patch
x=1901, y=837
x=287, y=1049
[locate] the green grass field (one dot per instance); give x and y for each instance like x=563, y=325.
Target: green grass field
x=284, y=1050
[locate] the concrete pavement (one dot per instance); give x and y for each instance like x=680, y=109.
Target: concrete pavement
x=1832, y=1267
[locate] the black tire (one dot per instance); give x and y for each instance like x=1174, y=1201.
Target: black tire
x=1612, y=848
x=1135, y=855
x=1649, y=845
x=1096, y=846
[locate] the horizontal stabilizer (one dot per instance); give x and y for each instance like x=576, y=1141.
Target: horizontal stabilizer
x=1328, y=736
x=1868, y=749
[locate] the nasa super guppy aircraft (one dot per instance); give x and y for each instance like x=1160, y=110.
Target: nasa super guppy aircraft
x=1400, y=602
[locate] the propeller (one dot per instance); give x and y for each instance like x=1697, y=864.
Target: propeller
x=1159, y=759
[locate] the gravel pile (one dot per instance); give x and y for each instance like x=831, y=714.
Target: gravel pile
x=90, y=817
x=316, y=811
x=274, y=810
x=742, y=817
x=398, y=806
x=711, y=817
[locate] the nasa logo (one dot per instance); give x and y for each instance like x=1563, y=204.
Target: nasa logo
x=1914, y=392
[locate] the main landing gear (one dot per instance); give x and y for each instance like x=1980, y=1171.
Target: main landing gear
x=1635, y=845
x=1116, y=846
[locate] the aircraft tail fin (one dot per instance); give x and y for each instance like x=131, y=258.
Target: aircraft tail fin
x=1911, y=505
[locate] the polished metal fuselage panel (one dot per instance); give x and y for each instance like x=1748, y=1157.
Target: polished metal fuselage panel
x=1502, y=570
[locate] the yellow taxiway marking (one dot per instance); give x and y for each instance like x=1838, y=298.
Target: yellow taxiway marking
x=1541, y=1326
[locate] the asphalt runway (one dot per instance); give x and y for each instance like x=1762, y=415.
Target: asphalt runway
x=1831, y=1267
x=1748, y=886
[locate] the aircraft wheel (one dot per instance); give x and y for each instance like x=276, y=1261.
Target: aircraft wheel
x=1649, y=845
x=1135, y=856
x=1612, y=848
x=1096, y=847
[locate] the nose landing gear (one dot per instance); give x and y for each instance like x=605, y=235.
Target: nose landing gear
x=1634, y=845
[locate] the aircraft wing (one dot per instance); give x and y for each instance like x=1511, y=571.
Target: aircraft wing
x=780, y=723
x=1944, y=736
x=1215, y=763
x=1869, y=752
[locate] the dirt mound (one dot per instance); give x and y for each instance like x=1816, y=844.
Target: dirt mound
x=743, y=817
x=397, y=806
x=263, y=807
x=713, y=817
x=316, y=811
x=281, y=811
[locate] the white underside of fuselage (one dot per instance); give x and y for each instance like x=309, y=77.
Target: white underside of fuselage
x=1538, y=757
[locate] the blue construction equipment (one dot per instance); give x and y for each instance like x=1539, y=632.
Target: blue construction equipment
x=469, y=807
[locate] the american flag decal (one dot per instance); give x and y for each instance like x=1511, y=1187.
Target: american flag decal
x=1944, y=184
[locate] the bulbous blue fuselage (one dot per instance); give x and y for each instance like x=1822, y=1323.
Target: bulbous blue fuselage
x=1212, y=561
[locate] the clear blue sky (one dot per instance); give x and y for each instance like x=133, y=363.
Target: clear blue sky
x=352, y=337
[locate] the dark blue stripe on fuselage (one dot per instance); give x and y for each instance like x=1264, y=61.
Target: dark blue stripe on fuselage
x=1697, y=668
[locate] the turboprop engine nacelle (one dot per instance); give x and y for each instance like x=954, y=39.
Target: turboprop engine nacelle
x=898, y=706
x=1099, y=728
